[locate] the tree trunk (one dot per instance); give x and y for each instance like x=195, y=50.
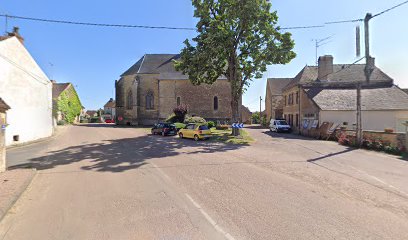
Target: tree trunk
x=235, y=82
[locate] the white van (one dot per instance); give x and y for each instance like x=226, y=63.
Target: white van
x=279, y=125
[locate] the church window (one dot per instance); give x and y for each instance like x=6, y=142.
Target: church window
x=129, y=100
x=149, y=100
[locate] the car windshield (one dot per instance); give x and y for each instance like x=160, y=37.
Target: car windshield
x=281, y=122
x=203, y=127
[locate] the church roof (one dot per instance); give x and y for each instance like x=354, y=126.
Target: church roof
x=158, y=64
x=153, y=64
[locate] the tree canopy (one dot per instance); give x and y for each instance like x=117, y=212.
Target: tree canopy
x=243, y=32
x=236, y=39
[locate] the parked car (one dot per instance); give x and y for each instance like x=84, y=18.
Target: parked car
x=108, y=120
x=164, y=129
x=279, y=125
x=196, y=131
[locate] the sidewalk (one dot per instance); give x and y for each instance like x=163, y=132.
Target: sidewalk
x=12, y=185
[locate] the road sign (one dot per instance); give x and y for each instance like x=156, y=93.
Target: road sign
x=237, y=125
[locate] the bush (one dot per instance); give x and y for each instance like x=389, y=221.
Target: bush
x=222, y=127
x=210, y=124
x=194, y=120
x=61, y=122
x=172, y=119
x=95, y=120
x=180, y=112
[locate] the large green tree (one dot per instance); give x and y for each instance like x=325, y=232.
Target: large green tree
x=237, y=39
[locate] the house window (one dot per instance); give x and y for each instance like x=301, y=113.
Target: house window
x=215, y=103
x=129, y=100
x=178, y=101
x=297, y=97
x=150, y=100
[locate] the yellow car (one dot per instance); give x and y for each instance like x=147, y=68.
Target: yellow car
x=196, y=131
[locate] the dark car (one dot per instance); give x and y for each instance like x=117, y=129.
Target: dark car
x=164, y=129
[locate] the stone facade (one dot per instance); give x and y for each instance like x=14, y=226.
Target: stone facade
x=274, y=100
x=298, y=107
x=149, y=94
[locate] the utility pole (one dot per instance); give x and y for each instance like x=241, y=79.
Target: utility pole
x=369, y=68
x=260, y=110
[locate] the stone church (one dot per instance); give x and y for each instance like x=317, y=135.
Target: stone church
x=149, y=90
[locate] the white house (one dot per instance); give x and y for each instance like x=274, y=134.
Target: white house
x=382, y=108
x=27, y=90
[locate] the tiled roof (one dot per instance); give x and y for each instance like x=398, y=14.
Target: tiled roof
x=276, y=85
x=58, y=88
x=392, y=98
x=3, y=105
x=110, y=104
x=341, y=73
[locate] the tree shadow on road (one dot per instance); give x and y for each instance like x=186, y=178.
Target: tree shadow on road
x=119, y=155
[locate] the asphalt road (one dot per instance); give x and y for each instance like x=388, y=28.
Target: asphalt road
x=101, y=182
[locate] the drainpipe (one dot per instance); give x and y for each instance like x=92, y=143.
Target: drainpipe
x=299, y=122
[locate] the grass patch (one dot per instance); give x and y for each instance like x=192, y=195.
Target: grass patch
x=225, y=136
x=180, y=125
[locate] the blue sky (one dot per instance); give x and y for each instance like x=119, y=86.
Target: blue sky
x=92, y=58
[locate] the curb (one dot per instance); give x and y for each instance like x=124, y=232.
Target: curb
x=20, y=192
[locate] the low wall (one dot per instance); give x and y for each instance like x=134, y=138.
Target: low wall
x=393, y=139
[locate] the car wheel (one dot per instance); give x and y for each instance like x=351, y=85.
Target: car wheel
x=180, y=135
x=196, y=138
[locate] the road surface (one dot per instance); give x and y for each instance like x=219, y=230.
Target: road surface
x=103, y=182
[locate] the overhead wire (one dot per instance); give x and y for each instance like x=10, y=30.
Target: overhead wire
x=362, y=19
x=31, y=74
x=127, y=25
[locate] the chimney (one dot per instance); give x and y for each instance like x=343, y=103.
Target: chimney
x=325, y=67
x=16, y=33
x=111, y=100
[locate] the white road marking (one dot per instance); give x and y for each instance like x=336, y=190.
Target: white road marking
x=204, y=213
x=209, y=219
x=379, y=180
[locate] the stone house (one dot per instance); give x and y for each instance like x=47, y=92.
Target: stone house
x=91, y=113
x=65, y=90
x=149, y=90
x=26, y=89
x=109, y=109
x=274, y=100
x=246, y=115
x=327, y=93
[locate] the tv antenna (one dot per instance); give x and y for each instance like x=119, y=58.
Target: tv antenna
x=321, y=42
